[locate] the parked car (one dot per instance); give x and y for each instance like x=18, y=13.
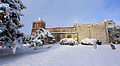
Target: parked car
x=67, y=41
x=52, y=41
x=117, y=41
x=91, y=41
x=99, y=41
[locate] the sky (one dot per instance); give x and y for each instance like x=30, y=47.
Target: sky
x=62, y=13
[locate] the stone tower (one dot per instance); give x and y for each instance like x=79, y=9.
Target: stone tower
x=37, y=25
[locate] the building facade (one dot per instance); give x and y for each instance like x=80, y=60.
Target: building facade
x=59, y=33
x=63, y=32
x=78, y=31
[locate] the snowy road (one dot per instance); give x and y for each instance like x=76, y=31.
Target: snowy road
x=61, y=55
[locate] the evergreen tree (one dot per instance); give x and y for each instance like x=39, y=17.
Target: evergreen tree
x=10, y=12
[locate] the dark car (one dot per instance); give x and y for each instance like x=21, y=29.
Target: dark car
x=99, y=42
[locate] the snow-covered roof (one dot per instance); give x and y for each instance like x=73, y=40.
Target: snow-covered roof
x=47, y=32
x=39, y=18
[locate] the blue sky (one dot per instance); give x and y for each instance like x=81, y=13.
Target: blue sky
x=62, y=13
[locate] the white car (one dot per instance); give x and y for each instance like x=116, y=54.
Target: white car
x=88, y=41
x=91, y=41
x=67, y=41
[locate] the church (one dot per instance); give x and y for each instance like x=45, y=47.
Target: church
x=77, y=31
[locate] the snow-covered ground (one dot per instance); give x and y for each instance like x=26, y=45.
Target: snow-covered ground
x=63, y=55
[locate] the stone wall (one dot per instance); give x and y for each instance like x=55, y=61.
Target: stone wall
x=91, y=31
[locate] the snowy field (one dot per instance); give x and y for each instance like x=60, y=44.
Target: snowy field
x=62, y=55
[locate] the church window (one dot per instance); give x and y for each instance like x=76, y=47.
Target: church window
x=109, y=23
x=63, y=36
x=36, y=25
x=64, y=30
x=69, y=36
x=57, y=30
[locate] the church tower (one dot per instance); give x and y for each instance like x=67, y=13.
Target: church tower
x=75, y=23
x=37, y=24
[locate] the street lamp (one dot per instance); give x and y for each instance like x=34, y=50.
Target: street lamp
x=89, y=31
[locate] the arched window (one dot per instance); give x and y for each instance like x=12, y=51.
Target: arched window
x=36, y=25
x=58, y=37
x=69, y=36
x=63, y=36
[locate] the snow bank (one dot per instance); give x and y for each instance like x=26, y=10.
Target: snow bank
x=64, y=55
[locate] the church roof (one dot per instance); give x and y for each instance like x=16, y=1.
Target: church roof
x=39, y=20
